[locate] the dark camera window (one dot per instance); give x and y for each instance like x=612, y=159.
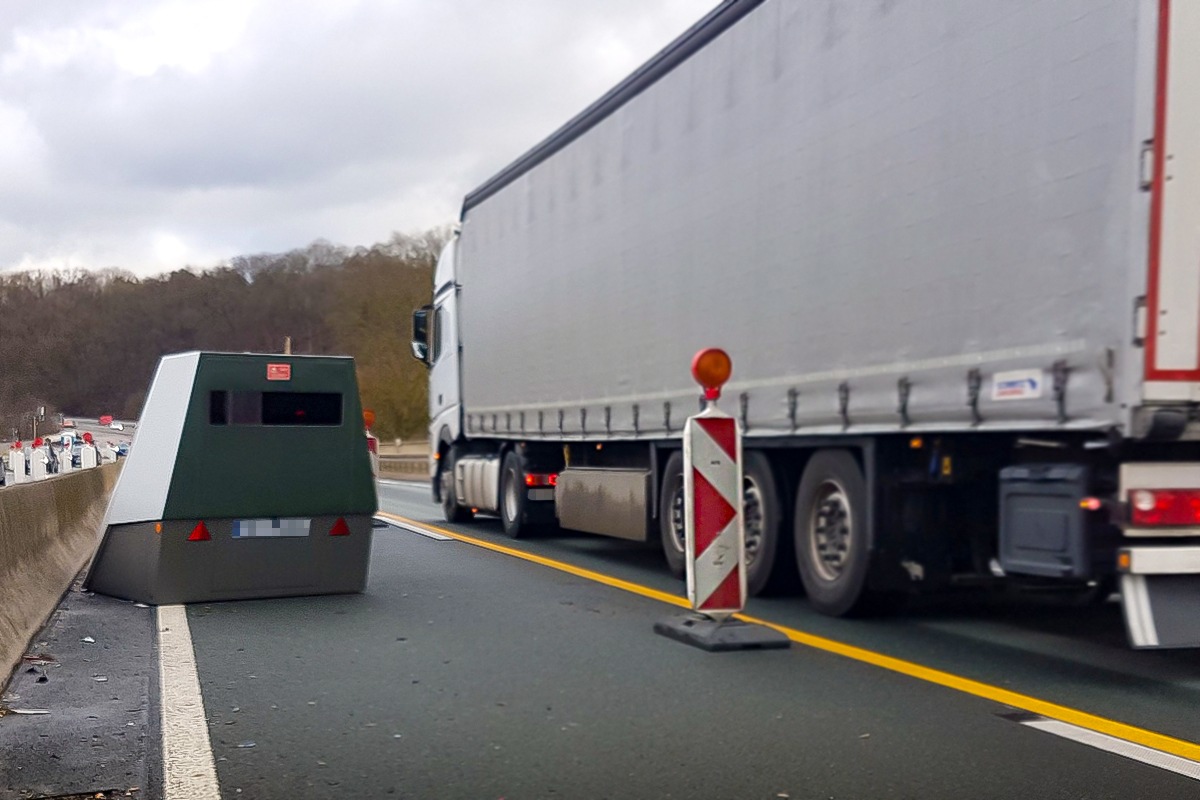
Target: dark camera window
x=218, y=408
x=245, y=408
x=274, y=408
x=301, y=408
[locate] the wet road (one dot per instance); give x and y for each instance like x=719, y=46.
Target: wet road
x=467, y=672
x=475, y=666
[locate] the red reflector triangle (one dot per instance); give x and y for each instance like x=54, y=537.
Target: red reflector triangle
x=200, y=533
x=340, y=528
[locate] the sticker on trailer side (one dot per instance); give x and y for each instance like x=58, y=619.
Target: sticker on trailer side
x=1023, y=384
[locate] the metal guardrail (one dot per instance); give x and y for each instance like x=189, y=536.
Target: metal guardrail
x=410, y=464
x=396, y=448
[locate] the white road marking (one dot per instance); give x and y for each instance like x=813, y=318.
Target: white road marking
x=419, y=531
x=189, y=772
x=1120, y=747
x=404, y=484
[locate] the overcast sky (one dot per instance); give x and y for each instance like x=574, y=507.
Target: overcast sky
x=154, y=134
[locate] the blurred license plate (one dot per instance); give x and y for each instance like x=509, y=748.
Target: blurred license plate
x=266, y=528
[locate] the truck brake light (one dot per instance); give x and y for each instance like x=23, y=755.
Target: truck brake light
x=534, y=479
x=1151, y=507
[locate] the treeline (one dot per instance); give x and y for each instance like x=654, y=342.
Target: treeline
x=86, y=342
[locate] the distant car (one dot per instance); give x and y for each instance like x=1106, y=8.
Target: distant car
x=116, y=426
x=123, y=449
x=68, y=423
x=76, y=458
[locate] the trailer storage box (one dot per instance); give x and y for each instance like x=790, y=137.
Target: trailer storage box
x=249, y=477
x=1043, y=530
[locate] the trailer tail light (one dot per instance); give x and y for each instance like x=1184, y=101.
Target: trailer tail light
x=200, y=533
x=1151, y=507
x=340, y=528
x=373, y=445
x=539, y=479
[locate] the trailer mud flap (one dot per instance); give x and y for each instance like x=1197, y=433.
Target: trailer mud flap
x=1162, y=610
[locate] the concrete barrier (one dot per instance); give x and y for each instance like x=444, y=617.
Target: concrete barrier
x=16, y=464
x=48, y=531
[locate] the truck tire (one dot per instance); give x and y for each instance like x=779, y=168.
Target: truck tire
x=832, y=546
x=451, y=510
x=762, y=514
x=512, y=496
x=670, y=515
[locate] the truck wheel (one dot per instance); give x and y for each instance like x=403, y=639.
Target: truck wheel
x=512, y=496
x=831, y=532
x=670, y=515
x=762, y=516
x=451, y=510
x=761, y=511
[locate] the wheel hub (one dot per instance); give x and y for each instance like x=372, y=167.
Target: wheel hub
x=678, y=527
x=753, y=518
x=830, y=528
x=510, y=497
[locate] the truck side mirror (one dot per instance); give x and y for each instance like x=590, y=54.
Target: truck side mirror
x=420, y=334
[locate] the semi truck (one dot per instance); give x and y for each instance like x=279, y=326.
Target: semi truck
x=953, y=249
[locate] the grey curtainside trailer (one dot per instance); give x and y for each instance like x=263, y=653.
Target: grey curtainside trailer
x=954, y=250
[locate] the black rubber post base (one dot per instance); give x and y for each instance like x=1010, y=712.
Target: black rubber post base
x=715, y=637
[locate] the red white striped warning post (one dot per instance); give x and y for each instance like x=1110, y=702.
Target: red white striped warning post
x=712, y=480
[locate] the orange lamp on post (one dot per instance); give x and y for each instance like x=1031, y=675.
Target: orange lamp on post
x=711, y=368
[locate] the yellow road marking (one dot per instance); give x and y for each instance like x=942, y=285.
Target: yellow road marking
x=1024, y=702
x=587, y=574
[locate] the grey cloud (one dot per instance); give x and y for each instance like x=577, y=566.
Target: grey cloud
x=311, y=127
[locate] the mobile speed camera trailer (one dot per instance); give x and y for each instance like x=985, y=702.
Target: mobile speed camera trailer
x=249, y=477
x=951, y=247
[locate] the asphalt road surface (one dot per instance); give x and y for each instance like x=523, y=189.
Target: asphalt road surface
x=479, y=667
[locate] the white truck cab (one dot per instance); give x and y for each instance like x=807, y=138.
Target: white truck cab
x=435, y=342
